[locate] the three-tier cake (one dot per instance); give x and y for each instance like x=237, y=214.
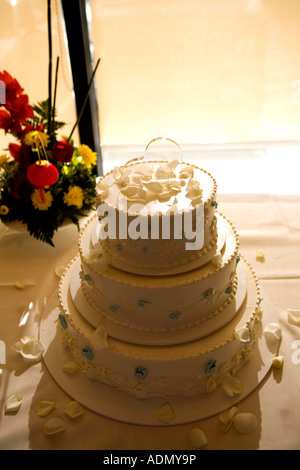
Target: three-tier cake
x=146, y=308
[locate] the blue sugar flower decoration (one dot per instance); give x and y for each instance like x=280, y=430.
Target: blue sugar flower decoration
x=84, y=277
x=63, y=321
x=208, y=293
x=175, y=315
x=141, y=372
x=88, y=353
x=113, y=308
x=211, y=366
x=142, y=303
x=229, y=289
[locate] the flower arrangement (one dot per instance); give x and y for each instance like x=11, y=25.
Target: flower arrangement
x=44, y=180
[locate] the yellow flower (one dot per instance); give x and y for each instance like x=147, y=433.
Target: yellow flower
x=34, y=138
x=3, y=160
x=41, y=199
x=4, y=210
x=71, y=141
x=86, y=156
x=74, y=197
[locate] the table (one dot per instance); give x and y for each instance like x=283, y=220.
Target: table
x=269, y=223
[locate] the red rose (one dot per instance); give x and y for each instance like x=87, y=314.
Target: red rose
x=15, y=151
x=5, y=120
x=17, y=106
x=63, y=152
x=19, y=154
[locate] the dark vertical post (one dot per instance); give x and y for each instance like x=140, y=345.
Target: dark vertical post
x=79, y=44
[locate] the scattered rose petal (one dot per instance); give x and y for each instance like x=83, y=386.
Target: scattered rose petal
x=166, y=413
x=226, y=418
x=197, y=437
x=44, y=408
x=54, y=425
x=260, y=256
x=59, y=270
x=70, y=366
x=13, y=403
x=73, y=409
x=154, y=186
x=278, y=362
x=186, y=172
x=30, y=348
x=22, y=283
x=244, y=334
x=232, y=386
x=294, y=315
x=245, y=422
x=273, y=332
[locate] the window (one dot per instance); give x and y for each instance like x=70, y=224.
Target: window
x=200, y=71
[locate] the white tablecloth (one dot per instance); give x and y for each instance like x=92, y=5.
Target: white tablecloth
x=267, y=223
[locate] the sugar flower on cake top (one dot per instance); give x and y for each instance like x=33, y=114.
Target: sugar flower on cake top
x=152, y=183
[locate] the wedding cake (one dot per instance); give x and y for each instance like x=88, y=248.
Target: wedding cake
x=159, y=302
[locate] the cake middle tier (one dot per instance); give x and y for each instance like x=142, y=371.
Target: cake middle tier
x=173, y=304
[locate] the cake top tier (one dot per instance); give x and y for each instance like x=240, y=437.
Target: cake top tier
x=157, y=186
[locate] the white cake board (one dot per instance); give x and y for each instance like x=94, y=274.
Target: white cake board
x=123, y=407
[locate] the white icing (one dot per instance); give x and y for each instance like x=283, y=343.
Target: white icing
x=13, y=403
x=245, y=422
x=30, y=348
x=197, y=438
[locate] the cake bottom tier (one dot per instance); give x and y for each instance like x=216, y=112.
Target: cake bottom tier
x=150, y=371
x=163, y=385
